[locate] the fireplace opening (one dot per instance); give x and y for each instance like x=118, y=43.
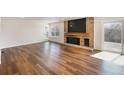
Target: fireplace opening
x=73, y=40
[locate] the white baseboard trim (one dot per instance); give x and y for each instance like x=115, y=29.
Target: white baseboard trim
x=23, y=44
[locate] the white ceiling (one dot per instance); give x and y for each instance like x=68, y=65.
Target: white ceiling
x=51, y=19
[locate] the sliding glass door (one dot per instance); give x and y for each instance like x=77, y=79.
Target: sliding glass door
x=113, y=37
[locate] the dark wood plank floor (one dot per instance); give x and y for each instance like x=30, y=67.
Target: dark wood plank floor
x=50, y=58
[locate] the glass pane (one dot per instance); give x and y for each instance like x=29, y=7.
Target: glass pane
x=123, y=38
x=112, y=36
x=112, y=32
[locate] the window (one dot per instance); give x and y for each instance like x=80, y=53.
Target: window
x=54, y=31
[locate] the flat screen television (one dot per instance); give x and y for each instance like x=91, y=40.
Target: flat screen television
x=78, y=25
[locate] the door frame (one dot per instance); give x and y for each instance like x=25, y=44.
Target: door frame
x=122, y=36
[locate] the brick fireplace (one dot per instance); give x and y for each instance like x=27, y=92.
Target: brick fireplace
x=79, y=38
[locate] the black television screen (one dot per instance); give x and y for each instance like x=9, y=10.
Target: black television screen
x=78, y=25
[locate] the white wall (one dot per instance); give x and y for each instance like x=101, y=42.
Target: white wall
x=97, y=34
x=19, y=31
x=99, y=28
x=60, y=27
x=0, y=35
x=0, y=24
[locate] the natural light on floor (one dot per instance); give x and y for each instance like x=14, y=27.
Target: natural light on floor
x=119, y=60
x=107, y=56
x=110, y=57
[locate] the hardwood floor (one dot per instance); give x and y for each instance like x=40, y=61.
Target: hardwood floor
x=50, y=58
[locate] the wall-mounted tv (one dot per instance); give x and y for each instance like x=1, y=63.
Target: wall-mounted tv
x=78, y=25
